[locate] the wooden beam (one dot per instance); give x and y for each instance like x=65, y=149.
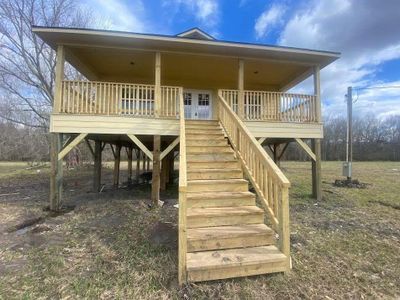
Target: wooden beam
x=317, y=93
x=316, y=170
x=112, y=150
x=155, y=182
x=262, y=140
x=129, y=154
x=283, y=151
x=56, y=173
x=141, y=146
x=241, y=89
x=137, y=164
x=306, y=149
x=103, y=145
x=59, y=78
x=169, y=148
x=71, y=145
x=97, y=166
x=117, y=161
x=157, y=83
x=90, y=147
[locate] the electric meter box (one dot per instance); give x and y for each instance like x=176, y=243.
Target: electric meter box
x=346, y=169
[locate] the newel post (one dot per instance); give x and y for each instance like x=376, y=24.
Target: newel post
x=157, y=89
x=241, y=89
x=59, y=77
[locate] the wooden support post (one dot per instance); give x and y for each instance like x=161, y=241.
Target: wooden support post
x=316, y=143
x=143, y=162
x=316, y=170
x=171, y=158
x=129, y=154
x=59, y=78
x=276, y=154
x=97, y=167
x=117, y=161
x=157, y=88
x=164, y=172
x=241, y=108
x=137, y=165
x=56, y=174
x=148, y=164
x=155, y=186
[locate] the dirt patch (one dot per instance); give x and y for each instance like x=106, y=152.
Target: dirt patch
x=164, y=234
x=347, y=183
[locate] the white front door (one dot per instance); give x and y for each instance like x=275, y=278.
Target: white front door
x=197, y=104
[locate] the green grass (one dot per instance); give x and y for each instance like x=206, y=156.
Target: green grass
x=345, y=246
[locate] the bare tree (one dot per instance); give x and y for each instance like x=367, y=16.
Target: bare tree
x=27, y=64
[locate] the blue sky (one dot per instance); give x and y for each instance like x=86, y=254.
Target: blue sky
x=365, y=32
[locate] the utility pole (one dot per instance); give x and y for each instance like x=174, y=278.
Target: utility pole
x=349, y=143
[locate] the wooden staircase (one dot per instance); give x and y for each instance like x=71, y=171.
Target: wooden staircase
x=226, y=235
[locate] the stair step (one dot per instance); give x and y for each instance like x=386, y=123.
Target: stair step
x=204, y=136
x=220, y=264
x=220, y=199
x=220, y=216
x=216, y=131
x=208, y=149
x=203, y=127
x=218, y=185
x=209, y=157
x=227, y=237
x=206, y=164
x=209, y=174
x=201, y=122
x=205, y=143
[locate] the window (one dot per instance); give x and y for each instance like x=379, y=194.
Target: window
x=204, y=99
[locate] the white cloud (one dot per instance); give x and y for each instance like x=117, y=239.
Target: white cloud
x=118, y=15
x=366, y=34
x=204, y=11
x=268, y=20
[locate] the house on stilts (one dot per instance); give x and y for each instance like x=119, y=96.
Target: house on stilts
x=217, y=103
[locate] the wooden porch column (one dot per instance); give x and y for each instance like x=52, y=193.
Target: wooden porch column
x=56, y=174
x=155, y=185
x=117, y=161
x=164, y=174
x=157, y=83
x=276, y=155
x=171, y=159
x=316, y=143
x=148, y=163
x=97, y=166
x=137, y=165
x=59, y=78
x=143, y=162
x=241, y=89
x=129, y=154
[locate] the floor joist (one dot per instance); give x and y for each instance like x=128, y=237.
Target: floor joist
x=141, y=146
x=71, y=145
x=169, y=148
x=306, y=148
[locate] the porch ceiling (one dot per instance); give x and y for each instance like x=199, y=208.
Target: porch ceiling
x=129, y=57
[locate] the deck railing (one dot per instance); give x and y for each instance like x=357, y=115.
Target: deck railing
x=270, y=184
x=109, y=98
x=182, y=195
x=273, y=106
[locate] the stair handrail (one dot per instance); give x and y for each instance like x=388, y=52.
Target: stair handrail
x=182, y=240
x=270, y=184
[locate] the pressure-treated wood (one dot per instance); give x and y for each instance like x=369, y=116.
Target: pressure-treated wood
x=169, y=148
x=59, y=77
x=97, y=166
x=316, y=170
x=240, y=101
x=157, y=81
x=155, y=181
x=129, y=151
x=182, y=214
x=71, y=145
x=141, y=146
x=267, y=179
x=56, y=174
x=138, y=154
x=306, y=148
x=117, y=161
x=220, y=264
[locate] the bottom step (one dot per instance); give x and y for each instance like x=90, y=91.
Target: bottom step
x=221, y=264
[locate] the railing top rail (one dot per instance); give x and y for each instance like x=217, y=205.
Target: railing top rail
x=182, y=145
x=120, y=83
x=269, y=92
x=280, y=176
